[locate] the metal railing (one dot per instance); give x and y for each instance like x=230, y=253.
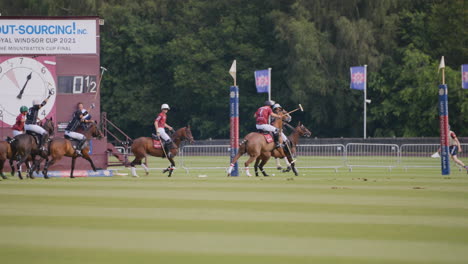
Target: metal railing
x=372, y=155
x=310, y=156
x=321, y=156
x=122, y=146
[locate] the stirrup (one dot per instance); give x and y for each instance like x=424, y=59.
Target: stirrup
x=78, y=152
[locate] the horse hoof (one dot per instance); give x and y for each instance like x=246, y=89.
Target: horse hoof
x=147, y=173
x=72, y=177
x=135, y=176
x=279, y=168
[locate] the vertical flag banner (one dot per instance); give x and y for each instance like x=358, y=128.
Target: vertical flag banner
x=464, y=72
x=358, y=78
x=262, y=81
x=234, y=127
x=444, y=130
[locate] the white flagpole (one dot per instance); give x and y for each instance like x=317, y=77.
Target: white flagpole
x=365, y=102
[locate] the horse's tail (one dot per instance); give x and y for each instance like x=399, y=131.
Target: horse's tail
x=243, y=146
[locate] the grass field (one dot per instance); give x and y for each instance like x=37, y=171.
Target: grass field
x=369, y=215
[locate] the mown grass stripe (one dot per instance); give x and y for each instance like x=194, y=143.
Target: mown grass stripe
x=279, y=228
x=227, y=215
x=205, y=243
x=21, y=200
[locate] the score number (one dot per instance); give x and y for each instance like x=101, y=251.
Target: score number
x=77, y=84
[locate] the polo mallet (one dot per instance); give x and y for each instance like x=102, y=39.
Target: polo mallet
x=100, y=79
x=299, y=108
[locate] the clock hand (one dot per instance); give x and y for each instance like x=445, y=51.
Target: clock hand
x=22, y=90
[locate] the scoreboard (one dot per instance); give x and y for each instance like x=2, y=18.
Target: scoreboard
x=57, y=54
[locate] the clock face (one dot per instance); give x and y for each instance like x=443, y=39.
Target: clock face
x=22, y=80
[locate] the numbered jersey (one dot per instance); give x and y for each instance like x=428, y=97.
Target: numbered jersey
x=161, y=119
x=262, y=115
x=19, y=124
x=31, y=118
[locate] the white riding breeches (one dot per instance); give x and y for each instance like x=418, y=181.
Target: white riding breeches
x=285, y=138
x=267, y=127
x=75, y=135
x=35, y=128
x=163, y=134
x=17, y=132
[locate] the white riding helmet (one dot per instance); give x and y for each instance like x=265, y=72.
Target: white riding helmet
x=165, y=106
x=277, y=106
x=36, y=102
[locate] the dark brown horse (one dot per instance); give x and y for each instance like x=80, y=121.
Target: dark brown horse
x=299, y=131
x=143, y=146
x=60, y=147
x=25, y=147
x=254, y=144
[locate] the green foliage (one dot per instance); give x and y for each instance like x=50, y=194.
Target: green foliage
x=179, y=52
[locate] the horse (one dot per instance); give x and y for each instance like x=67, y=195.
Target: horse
x=25, y=147
x=143, y=146
x=254, y=144
x=5, y=153
x=299, y=131
x=60, y=147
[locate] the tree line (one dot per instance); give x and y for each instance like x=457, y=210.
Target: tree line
x=179, y=52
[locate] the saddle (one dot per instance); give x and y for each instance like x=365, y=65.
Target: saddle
x=157, y=144
x=74, y=142
x=34, y=135
x=267, y=135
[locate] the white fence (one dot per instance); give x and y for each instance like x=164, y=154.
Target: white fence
x=334, y=156
x=321, y=156
x=372, y=155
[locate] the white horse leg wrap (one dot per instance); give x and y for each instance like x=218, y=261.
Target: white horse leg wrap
x=231, y=167
x=144, y=167
x=287, y=162
x=134, y=174
x=247, y=172
x=278, y=163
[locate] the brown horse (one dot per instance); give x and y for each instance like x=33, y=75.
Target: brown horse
x=60, y=147
x=25, y=147
x=299, y=131
x=5, y=153
x=254, y=144
x=143, y=146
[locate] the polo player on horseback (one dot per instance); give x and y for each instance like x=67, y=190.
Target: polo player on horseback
x=18, y=127
x=262, y=115
x=31, y=122
x=160, y=124
x=79, y=116
x=278, y=109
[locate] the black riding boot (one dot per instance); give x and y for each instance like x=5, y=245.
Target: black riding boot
x=44, y=140
x=168, y=147
x=287, y=148
x=79, y=147
x=276, y=139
